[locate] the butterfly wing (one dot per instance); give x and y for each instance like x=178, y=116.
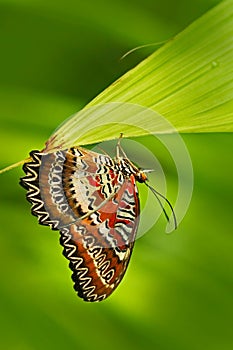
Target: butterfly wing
x=82, y=194
x=65, y=185
x=99, y=254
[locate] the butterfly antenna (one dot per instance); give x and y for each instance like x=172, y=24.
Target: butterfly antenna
x=157, y=195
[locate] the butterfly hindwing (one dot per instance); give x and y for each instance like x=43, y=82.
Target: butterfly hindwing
x=99, y=254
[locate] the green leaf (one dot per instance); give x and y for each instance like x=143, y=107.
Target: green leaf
x=185, y=86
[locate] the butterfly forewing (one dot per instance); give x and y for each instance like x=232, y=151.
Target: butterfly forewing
x=85, y=196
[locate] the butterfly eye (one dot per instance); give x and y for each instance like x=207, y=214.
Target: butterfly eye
x=141, y=176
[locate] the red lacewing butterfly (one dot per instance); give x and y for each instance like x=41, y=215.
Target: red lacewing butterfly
x=93, y=201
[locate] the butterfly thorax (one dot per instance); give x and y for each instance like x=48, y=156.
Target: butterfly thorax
x=127, y=168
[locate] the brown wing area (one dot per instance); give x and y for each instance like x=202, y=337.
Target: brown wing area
x=65, y=185
x=99, y=255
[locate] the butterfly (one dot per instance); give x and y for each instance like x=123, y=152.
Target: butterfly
x=93, y=201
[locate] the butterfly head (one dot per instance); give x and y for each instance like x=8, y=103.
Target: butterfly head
x=140, y=176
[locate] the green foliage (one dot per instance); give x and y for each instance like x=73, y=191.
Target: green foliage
x=189, y=81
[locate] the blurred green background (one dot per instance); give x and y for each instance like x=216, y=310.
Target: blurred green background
x=178, y=291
